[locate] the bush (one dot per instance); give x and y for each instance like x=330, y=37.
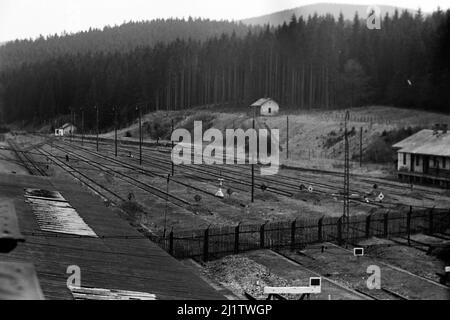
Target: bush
x=206, y=118
x=381, y=149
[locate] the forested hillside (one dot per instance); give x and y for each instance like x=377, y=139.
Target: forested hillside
x=319, y=62
x=117, y=38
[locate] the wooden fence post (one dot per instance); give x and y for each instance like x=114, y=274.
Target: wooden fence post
x=448, y=220
x=319, y=230
x=430, y=222
x=206, y=245
x=369, y=217
x=386, y=224
x=339, y=231
x=293, y=229
x=408, y=225
x=171, y=242
x=236, y=239
x=261, y=236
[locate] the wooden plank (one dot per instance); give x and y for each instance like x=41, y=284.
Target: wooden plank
x=57, y=216
x=86, y=293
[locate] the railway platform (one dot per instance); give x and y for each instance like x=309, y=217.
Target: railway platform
x=113, y=259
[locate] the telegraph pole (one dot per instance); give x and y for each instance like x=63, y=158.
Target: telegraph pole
x=82, y=126
x=72, y=123
x=360, y=147
x=165, y=210
x=115, y=130
x=140, y=135
x=75, y=118
x=346, y=213
x=287, y=137
x=173, y=166
x=253, y=160
x=96, y=109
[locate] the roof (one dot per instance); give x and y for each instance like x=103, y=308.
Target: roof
x=261, y=102
x=66, y=125
x=119, y=258
x=426, y=142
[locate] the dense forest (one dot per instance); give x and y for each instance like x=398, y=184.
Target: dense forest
x=318, y=62
x=115, y=39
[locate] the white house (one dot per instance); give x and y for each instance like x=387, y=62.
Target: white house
x=425, y=157
x=66, y=129
x=266, y=107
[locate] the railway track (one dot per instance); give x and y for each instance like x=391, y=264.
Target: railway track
x=277, y=186
x=324, y=278
x=98, y=188
x=131, y=180
x=222, y=172
x=166, y=167
x=143, y=170
x=406, y=272
x=237, y=178
x=293, y=186
x=382, y=294
x=281, y=184
x=32, y=167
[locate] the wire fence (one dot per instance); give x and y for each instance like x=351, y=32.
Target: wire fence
x=213, y=243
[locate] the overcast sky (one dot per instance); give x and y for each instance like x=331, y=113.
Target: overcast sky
x=29, y=18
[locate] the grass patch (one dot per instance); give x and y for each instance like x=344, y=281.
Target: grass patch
x=206, y=118
x=380, y=151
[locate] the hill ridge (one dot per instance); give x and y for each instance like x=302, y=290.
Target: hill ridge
x=321, y=8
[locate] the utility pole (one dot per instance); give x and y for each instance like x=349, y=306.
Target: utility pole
x=96, y=109
x=173, y=166
x=165, y=210
x=75, y=118
x=287, y=137
x=253, y=160
x=140, y=135
x=72, y=123
x=82, y=126
x=360, y=147
x=115, y=130
x=346, y=213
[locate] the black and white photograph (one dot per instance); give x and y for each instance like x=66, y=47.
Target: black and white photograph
x=229, y=157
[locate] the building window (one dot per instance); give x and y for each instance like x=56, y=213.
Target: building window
x=444, y=162
x=404, y=158
x=417, y=160
x=270, y=110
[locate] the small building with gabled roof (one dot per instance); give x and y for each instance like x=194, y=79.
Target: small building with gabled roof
x=66, y=129
x=266, y=107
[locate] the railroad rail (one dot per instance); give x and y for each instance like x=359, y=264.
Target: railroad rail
x=27, y=161
x=101, y=190
x=133, y=181
x=283, y=180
